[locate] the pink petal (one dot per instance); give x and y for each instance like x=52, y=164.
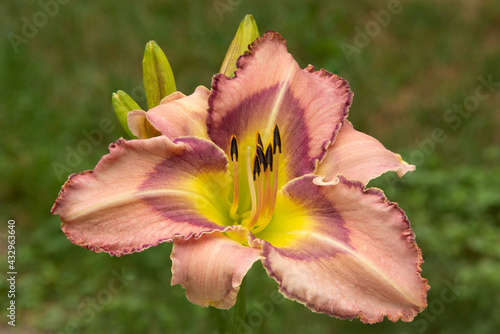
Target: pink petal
x=359, y=156
x=172, y=97
x=270, y=88
x=140, y=126
x=211, y=268
x=179, y=115
x=353, y=256
x=143, y=193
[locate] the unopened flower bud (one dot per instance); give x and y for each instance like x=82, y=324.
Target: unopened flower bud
x=123, y=104
x=246, y=34
x=157, y=75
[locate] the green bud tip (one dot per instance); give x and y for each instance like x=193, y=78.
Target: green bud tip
x=157, y=75
x=247, y=33
x=123, y=104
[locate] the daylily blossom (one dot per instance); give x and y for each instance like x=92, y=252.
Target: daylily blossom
x=265, y=166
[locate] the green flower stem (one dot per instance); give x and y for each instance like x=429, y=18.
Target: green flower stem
x=223, y=318
x=240, y=310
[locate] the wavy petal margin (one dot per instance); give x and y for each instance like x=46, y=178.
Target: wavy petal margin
x=355, y=256
x=359, y=156
x=145, y=192
x=269, y=88
x=211, y=268
x=180, y=115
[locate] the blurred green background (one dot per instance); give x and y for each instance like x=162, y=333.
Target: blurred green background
x=408, y=74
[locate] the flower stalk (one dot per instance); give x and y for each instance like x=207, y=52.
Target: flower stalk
x=240, y=310
x=223, y=321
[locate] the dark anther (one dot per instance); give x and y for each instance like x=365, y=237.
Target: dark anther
x=234, y=149
x=277, y=139
x=256, y=167
x=269, y=157
x=262, y=157
x=259, y=141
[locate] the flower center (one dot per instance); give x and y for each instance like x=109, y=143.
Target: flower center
x=262, y=178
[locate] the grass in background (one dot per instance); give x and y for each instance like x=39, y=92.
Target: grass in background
x=427, y=59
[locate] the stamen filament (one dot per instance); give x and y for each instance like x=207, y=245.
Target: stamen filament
x=260, y=188
x=274, y=189
x=236, y=192
x=272, y=197
x=251, y=187
x=263, y=191
x=268, y=186
x=276, y=151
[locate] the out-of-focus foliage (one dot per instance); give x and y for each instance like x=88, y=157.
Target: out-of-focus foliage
x=56, y=118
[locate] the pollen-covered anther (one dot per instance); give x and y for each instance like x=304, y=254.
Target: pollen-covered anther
x=236, y=192
x=234, y=149
x=256, y=167
x=269, y=157
x=262, y=158
x=276, y=139
x=258, y=140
